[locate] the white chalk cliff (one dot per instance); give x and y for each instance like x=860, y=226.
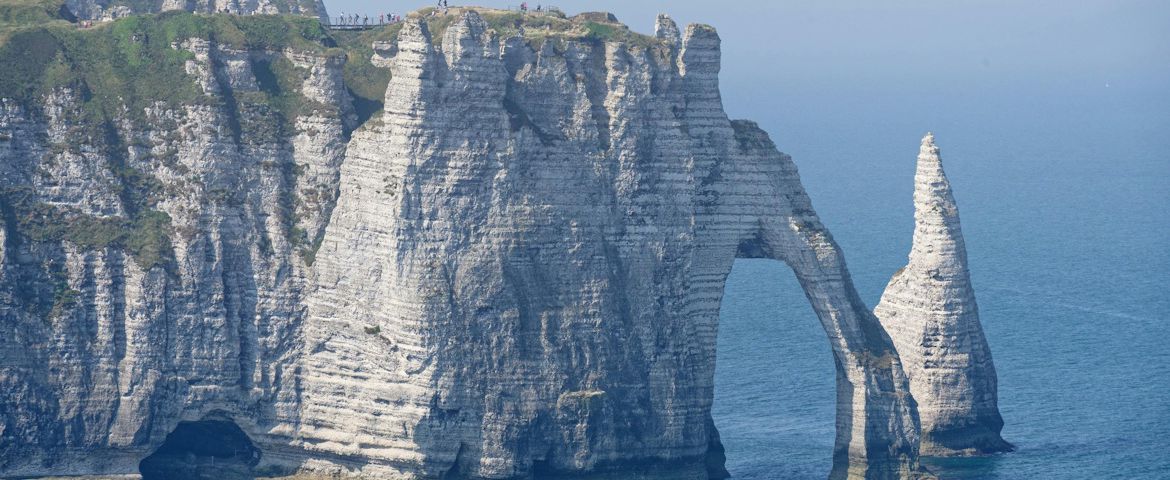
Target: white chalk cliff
x=524, y=267
x=929, y=309
x=513, y=270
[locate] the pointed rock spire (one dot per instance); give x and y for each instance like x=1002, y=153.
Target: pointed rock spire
x=938, y=240
x=414, y=53
x=698, y=62
x=414, y=37
x=464, y=38
x=929, y=310
x=700, y=56
x=413, y=68
x=666, y=29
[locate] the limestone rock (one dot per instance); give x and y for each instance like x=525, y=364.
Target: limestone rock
x=524, y=267
x=930, y=312
x=666, y=30
x=105, y=344
x=519, y=272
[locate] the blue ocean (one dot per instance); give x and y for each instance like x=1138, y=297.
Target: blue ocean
x=1064, y=196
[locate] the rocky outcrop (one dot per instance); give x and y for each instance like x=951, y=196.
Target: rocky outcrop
x=666, y=30
x=524, y=267
x=112, y=9
x=929, y=309
x=513, y=271
x=155, y=262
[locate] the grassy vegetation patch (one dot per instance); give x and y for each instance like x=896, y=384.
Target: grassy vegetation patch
x=119, y=69
x=132, y=61
x=146, y=237
x=602, y=31
x=539, y=28
x=277, y=32
x=366, y=82
x=19, y=13
x=128, y=64
x=26, y=58
x=608, y=32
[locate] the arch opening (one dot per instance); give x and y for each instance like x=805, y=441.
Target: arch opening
x=775, y=393
x=207, y=449
x=876, y=421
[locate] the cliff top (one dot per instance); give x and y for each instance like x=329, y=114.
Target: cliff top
x=368, y=82
x=135, y=61
x=535, y=27
x=135, y=57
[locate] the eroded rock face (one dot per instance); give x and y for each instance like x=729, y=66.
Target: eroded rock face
x=520, y=268
x=929, y=309
x=525, y=264
x=105, y=345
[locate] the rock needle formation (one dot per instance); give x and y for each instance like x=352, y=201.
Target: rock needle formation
x=929, y=309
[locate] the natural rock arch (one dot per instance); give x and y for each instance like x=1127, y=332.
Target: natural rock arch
x=876, y=420
x=536, y=240
x=523, y=268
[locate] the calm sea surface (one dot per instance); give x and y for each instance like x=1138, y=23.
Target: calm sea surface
x=1065, y=205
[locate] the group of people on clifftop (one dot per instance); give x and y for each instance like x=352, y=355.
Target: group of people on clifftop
x=364, y=20
x=356, y=20
x=441, y=7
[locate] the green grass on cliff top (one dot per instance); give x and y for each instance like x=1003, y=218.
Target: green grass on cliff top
x=368, y=83
x=30, y=12
x=537, y=28
x=120, y=68
x=132, y=62
x=117, y=70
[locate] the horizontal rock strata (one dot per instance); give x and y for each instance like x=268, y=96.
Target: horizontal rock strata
x=930, y=311
x=512, y=270
x=524, y=268
x=154, y=272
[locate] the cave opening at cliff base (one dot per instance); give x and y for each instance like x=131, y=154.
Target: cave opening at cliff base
x=208, y=449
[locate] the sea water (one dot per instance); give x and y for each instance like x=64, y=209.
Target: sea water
x=1064, y=198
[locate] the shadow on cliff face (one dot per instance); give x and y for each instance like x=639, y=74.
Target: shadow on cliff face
x=206, y=450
